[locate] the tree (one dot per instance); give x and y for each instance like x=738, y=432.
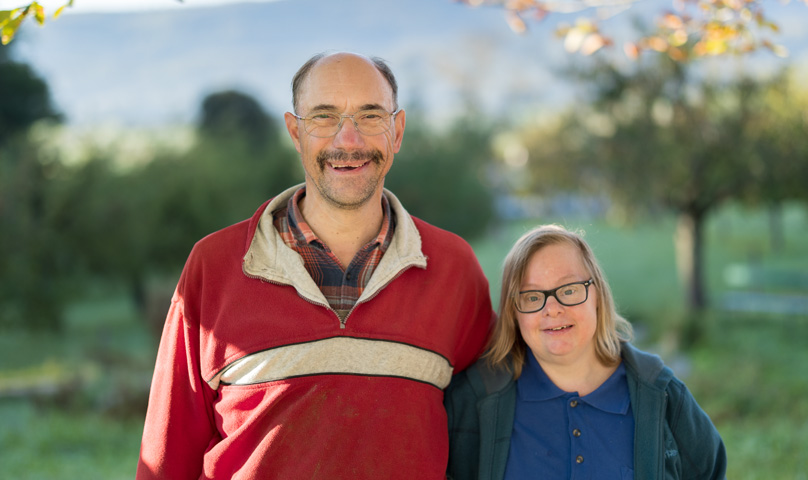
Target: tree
x=441, y=176
x=776, y=134
x=674, y=141
x=95, y=220
x=231, y=113
x=26, y=201
x=32, y=286
x=24, y=97
x=158, y=211
x=690, y=28
x=10, y=20
x=548, y=158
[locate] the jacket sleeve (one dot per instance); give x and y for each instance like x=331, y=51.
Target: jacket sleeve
x=179, y=422
x=464, y=430
x=701, y=449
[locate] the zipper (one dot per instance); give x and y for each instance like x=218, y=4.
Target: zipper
x=272, y=282
x=342, y=322
x=371, y=297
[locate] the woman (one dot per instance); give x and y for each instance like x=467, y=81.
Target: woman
x=561, y=393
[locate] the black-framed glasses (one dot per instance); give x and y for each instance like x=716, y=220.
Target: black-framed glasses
x=324, y=124
x=531, y=301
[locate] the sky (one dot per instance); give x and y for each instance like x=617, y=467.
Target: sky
x=95, y=6
x=146, y=67
x=151, y=62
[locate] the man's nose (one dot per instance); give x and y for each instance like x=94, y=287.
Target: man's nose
x=348, y=135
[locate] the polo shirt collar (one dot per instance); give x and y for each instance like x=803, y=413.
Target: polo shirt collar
x=535, y=386
x=612, y=396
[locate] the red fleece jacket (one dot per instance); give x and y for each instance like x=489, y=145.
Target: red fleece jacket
x=255, y=379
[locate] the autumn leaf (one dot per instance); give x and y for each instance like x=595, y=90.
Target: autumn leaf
x=5, y=16
x=693, y=28
x=515, y=22
x=593, y=42
x=11, y=24
x=39, y=13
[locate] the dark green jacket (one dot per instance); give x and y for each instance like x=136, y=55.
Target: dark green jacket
x=673, y=437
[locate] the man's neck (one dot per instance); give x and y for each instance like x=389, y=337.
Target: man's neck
x=345, y=231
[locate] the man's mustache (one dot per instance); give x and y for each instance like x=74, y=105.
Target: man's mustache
x=374, y=156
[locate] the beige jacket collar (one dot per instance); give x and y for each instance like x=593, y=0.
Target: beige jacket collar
x=268, y=258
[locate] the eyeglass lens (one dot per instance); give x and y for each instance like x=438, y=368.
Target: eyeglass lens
x=569, y=295
x=368, y=122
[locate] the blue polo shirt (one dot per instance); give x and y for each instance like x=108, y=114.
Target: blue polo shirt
x=560, y=435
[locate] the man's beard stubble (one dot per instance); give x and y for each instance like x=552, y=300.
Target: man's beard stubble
x=373, y=156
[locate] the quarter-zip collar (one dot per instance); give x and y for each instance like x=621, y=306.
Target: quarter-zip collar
x=269, y=259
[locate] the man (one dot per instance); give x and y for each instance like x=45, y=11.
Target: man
x=315, y=339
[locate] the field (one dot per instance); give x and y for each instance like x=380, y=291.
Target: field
x=81, y=412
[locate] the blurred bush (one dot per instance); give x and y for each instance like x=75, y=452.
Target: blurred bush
x=441, y=175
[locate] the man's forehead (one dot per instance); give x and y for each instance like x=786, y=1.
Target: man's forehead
x=352, y=79
x=345, y=63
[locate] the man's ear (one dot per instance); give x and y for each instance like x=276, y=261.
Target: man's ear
x=292, y=126
x=399, y=124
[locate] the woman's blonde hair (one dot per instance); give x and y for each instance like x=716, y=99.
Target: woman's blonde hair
x=507, y=348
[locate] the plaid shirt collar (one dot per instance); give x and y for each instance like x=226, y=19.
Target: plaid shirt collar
x=301, y=232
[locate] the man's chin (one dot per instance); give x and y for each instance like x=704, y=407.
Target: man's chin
x=347, y=198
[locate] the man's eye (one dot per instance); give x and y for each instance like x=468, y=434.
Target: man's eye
x=372, y=115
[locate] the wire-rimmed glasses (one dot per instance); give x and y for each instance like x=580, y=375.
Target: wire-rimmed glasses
x=324, y=124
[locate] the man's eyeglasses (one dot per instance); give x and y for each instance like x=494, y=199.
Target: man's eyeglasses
x=324, y=124
x=530, y=301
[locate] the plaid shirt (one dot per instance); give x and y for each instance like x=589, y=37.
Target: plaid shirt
x=341, y=287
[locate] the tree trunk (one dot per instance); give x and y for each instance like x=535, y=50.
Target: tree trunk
x=776, y=231
x=689, y=242
x=137, y=288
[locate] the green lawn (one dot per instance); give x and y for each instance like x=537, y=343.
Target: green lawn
x=747, y=371
x=90, y=429
x=48, y=442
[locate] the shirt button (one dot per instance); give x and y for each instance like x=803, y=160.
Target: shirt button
x=579, y=459
x=573, y=403
x=576, y=432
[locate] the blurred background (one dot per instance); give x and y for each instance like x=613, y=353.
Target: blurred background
x=129, y=130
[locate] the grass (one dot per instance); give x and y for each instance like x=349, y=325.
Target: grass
x=750, y=378
x=747, y=372
x=45, y=443
x=99, y=368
